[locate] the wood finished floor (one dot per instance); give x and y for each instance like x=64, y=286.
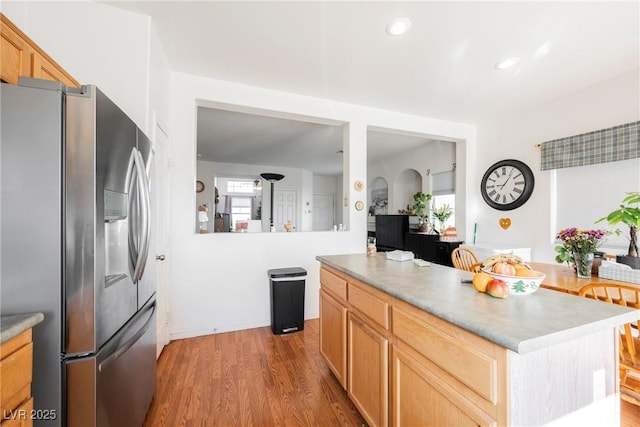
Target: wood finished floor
x=255, y=378
x=249, y=378
x=630, y=414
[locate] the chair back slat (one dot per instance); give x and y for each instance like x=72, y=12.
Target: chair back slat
x=464, y=259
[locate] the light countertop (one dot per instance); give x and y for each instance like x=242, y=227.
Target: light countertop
x=14, y=324
x=522, y=323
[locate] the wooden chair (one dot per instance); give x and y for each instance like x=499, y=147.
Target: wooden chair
x=464, y=259
x=629, y=345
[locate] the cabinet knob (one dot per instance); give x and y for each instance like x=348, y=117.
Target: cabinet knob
x=160, y=257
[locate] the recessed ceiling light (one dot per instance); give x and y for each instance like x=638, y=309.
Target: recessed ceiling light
x=398, y=26
x=507, y=63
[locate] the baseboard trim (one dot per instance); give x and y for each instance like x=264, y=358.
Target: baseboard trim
x=227, y=328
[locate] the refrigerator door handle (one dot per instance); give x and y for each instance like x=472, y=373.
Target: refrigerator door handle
x=130, y=169
x=147, y=212
x=130, y=342
x=134, y=234
x=144, y=225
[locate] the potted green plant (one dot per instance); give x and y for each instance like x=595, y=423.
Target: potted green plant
x=629, y=214
x=420, y=209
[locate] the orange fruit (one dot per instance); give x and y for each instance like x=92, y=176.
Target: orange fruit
x=481, y=280
x=525, y=272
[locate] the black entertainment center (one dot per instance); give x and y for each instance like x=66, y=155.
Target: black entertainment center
x=393, y=232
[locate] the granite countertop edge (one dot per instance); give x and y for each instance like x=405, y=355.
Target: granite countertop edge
x=12, y=325
x=530, y=341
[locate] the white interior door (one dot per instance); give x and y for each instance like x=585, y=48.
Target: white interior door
x=160, y=229
x=284, y=208
x=323, y=212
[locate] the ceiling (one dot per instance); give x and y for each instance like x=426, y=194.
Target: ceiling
x=236, y=137
x=442, y=68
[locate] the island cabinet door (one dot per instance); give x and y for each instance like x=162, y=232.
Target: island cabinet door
x=333, y=336
x=368, y=369
x=421, y=395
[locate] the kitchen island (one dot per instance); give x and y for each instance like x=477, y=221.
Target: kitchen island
x=416, y=346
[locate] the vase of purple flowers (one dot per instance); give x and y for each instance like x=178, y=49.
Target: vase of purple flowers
x=582, y=244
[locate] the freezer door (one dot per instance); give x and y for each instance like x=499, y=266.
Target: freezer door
x=116, y=387
x=99, y=288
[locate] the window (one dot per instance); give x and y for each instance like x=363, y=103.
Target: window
x=587, y=193
x=448, y=199
x=240, y=209
x=443, y=190
x=240, y=198
x=244, y=187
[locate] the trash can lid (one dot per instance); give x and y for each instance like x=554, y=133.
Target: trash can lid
x=286, y=272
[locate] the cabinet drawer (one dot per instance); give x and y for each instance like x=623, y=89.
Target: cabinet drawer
x=16, y=373
x=362, y=298
x=415, y=379
x=475, y=369
x=19, y=417
x=333, y=283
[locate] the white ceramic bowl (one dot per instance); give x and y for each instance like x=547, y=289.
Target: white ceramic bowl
x=520, y=285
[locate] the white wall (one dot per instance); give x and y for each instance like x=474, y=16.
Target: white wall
x=220, y=280
x=603, y=105
x=98, y=44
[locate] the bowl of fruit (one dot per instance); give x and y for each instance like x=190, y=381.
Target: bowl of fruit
x=506, y=274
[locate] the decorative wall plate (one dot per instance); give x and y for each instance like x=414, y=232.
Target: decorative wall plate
x=505, y=223
x=359, y=205
x=358, y=185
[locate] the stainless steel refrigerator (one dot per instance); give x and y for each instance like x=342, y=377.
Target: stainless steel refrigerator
x=75, y=232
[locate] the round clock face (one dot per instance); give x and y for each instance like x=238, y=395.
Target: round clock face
x=199, y=186
x=507, y=185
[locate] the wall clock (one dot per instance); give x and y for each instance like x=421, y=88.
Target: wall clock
x=199, y=186
x=507, y=185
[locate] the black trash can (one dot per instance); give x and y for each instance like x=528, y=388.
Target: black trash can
x=287, y=299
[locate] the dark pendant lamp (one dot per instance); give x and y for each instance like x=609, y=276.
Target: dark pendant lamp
x=271, y=177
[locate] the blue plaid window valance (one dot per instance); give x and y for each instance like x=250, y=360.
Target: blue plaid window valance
x=600, y=146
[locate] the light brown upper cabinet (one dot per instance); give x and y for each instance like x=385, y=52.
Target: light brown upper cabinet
x=20, y=56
